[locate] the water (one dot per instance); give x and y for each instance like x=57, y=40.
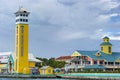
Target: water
x=31, y=79
x=95, y=74
x=100, y=75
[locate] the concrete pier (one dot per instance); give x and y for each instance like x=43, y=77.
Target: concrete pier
x=27, y=76
x=62, y=77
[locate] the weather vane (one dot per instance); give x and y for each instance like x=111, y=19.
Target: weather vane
x=20, y=6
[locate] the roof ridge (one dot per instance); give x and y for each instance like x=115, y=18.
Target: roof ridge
x=87, y=50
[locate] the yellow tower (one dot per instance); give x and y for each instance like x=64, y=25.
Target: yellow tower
x=106, y=46
x=21, y=41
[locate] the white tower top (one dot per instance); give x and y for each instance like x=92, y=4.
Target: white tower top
x=22, y=16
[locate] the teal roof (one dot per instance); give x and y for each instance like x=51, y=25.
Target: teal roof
x=108, y=57
x=106, y=37
x=105, y=43
x=95, y=66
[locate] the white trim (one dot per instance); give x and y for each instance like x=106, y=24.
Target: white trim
x=21, y=23
x=21, y=17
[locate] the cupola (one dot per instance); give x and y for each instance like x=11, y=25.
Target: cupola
x=106, y=46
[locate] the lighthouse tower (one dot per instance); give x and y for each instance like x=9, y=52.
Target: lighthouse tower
x=21, y=41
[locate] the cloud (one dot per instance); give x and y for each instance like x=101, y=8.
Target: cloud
x=54, y=22
x=68, y=2
x=107, y=17
x=115, y=36
x=72, y=35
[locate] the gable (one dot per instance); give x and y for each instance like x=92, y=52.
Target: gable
x=49, y=67
x=75, y=54
x=10, y=59
x=118, y=59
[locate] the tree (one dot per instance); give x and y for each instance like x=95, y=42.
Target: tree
x=52, y=62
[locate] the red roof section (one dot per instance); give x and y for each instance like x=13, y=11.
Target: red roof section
x=63, y=57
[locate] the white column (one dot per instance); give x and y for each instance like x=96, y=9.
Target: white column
x=81, y=62
x=107, y=63
x=114, y=64
x=91, y=62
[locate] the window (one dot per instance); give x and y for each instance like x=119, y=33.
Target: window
x=17, y=40
x=107, y=40
x=105, y=63
x=26, y=20
x=116, y=63
x=17, y=20
x=22, y=51
x=95, y=62
x=22, y=45
x=26, y=15
x=21, y=20
x=17, y=29
x=101, y=48
x=104, y=40
x=22, y=39
x=16, y=64
x=89, y=62
x=21, y=15
x=109, y=49
x=22, y=29
x=49, y=71
x=16, y=35
x=101, y=62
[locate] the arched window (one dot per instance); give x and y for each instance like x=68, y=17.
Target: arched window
x=109, y=49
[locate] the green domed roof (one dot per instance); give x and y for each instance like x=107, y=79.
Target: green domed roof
x=105, y=43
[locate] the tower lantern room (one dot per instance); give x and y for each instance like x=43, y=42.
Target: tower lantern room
x=22, y=16
x=106, y=46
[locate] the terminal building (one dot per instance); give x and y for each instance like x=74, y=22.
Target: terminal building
x=103, y=59
x=7, y=62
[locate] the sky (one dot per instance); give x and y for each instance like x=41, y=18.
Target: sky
x=59, y=27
